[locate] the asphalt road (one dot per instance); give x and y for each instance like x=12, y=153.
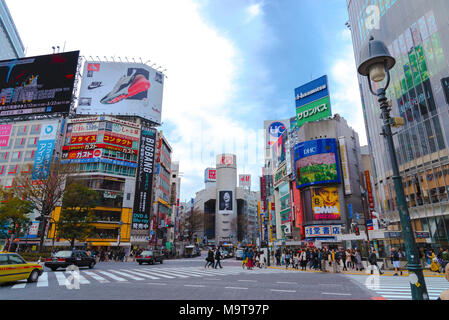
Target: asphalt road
x=186, y=279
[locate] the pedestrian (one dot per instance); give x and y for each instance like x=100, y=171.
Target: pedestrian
x=358, y=258
x=334, y=261
x=324, y=260
x=287, y=259
x=283, y=257
x=303, y=259
x=353, y=259
x=296, y=260
x=348, y=258
x=343, y=259
x=278, y=257
x=250, y=259
x=396, y=261
x=373, y=262
x=257, y=259
x=434, y=265
x=245, y=259
x=209, y=259
x=262, y=260
x=218, y=258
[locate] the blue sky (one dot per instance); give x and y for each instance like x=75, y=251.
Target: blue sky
x=231, y=64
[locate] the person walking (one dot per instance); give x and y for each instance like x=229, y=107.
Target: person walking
x=283, y=257
x=278, y=257
x=209, y=259
x=303, y=259
x=287, y=259
x=343, y=259
x=348, y=259
x=396, y=261
x=353, y=259
x=358, y=258
x=250, y=259
x=434, y=265
x=262, y=260
x=373, y=262
x=218, y=258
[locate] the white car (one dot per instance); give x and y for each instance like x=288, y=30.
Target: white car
x=239, y=254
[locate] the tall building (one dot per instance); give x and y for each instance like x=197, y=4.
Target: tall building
x=417, y=35
x=11, y=45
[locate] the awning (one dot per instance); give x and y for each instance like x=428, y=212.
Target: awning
x=100, y=244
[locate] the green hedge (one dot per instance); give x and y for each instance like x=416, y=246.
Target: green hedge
x=34, y=256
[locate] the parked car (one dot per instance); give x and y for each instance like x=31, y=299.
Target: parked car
x=14, y=268
x=150, y=257
x=191, y=251
x=63, y=259
x=239, y=254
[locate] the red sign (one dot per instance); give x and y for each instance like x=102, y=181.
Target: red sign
x=82, y=154
x=93, y=67
x=226, y=160
x=297, y=206
x=212, y=174
x=369, y=190
x=91, y=138
x=117, y=141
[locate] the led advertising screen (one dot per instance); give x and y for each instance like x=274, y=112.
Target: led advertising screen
x=325, y=203
x=316, y=162
x=36, y=85
x=115, y=88
x=225, y=201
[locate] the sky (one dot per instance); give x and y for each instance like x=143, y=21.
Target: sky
x=231, y=64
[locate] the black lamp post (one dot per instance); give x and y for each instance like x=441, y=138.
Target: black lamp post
x=376, y=63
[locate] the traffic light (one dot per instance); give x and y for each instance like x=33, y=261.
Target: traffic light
x=356, y=231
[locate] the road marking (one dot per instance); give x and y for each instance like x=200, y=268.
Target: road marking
x=213, y=279
x=286, y=282
x=19, y=286
x=43, y=280
x=157, y=274
x=173, y=273
x=282, y=290
x=156, y=283
x=61, y=278
x=194, y=285
x=337, y=294
x=141, y=274
x=127, y=275
x=96, y=276
x=236, y=288
x=112, y=276
x=248, y=280
x=83, y=280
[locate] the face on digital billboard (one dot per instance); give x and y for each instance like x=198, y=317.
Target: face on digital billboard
x=225, y=201
x=36, y=85
x=325, y=203
x=316, y=162
x=114, y=88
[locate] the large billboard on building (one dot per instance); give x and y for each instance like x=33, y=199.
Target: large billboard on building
x=273, y=130
x=127, y=89
x=316, y=162
x=325, y=203
x=312, y=101
x=37, y=85
x=225, y=201
x=144, y=180
x=44, y=152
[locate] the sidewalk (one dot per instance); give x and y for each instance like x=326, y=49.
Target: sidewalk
x=427, y=273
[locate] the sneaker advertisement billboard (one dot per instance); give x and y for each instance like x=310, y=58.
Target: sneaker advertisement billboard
x=37, y=85
x=126, y=89
x=312, y=101
x=325, y=203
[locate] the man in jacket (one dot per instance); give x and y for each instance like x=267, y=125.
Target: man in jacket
x=218, y=258
x=396, y=261
x=373, y=261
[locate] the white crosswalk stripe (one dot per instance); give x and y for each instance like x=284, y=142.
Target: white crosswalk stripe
x=43, y=280
x=127, y=275
x=398, y=288
x=155, y=273
x=112, y=276
x=141, y=274
x=96, y=276
x=61, y=278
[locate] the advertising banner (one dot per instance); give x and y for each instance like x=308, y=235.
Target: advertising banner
x=5, y=131
x=210, y=175
x=144, y=180
x=123, y=142
x=345, y=165
x=92, y=146
x=273, y=130
x=81, y=156
x=322, y=231
x=83, y=127
x=41, y=84
x=278, y=153
x=314, y=111
x=225, y=160
x=316, y=162
x=44, y=152
x=369, y=191
x=225, y=201
x=116, y=88
x=325, y=203
x=244, y=180
x=297, y=207
x=91, y=138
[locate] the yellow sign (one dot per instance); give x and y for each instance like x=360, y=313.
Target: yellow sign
x=325, y=203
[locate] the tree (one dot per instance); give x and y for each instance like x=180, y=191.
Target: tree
x=14, y=211
x=45, y=194
x=77, y=214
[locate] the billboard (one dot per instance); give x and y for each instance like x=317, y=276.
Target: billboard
x=273, y=130
x=210, y=175
x=225, y=160
x=115, y=88
x=144, y=180
x=5, y=131
x=312, y=101
x=244, y=180
x=322, y=231
x=370, y=193
x=35, y=85
x=225, y=201
x=345, y=165
x=325, y=203
x=316, y=162
x=44, y=152
x=278, y=151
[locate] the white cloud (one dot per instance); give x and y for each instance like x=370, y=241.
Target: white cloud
x=202, y=69
x=344, y=90
x=254, y=10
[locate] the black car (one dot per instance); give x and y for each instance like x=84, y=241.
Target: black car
x=63, y=259
x=150, y=257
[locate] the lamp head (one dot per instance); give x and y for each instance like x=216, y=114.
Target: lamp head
x=376, y=60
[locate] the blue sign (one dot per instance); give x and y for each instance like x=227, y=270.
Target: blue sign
x=350, y=210
x=276, y=129
x=316, y=162
x=311, y=91
x=42, y=162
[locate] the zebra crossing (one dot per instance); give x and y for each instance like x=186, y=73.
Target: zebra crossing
x=61, y=278
x=398, y=288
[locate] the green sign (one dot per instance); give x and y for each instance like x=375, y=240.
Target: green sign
x=313, y=111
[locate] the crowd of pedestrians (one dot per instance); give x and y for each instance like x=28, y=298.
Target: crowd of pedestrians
x=253, y=259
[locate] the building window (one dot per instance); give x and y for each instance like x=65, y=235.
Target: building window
x=4, y=157
x=29, y=155
x=20, y=143
x=22, y=130
x=12, y=169
x=35, y=129
x=32, y=142
x=16, y=156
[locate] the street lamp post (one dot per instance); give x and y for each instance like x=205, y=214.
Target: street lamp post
x=376, y=63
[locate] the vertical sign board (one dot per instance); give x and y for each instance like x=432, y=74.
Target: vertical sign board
x=244, y=180
x=369, y=190
x=144, y=180
x=345, y=165
x=5, y=131
x=44, y=152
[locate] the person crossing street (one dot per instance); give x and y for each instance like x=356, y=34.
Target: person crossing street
x=218, y=258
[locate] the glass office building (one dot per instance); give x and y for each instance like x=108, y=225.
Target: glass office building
x=417, y=35
x=10, y=44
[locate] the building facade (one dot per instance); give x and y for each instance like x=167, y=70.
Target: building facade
x=11, y=45
x=417, y=35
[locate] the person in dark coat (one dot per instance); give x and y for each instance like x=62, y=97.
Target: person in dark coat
x=209, y=259
x=373, y=261
x=218, y=258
